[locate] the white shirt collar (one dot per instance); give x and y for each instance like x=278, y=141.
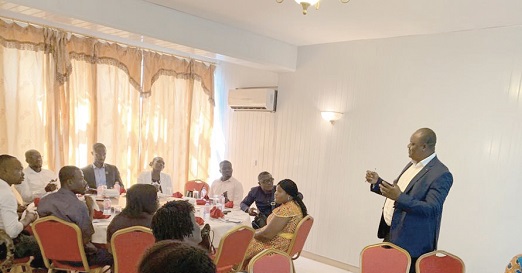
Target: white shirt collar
x=425, y=161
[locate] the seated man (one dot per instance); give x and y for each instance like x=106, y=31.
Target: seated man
x=25, y=245
x=37, y=181
x=100, y=173
x=65, y=205
x=262, y=195
x=227, y=185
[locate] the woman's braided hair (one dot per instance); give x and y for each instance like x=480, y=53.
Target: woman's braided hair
x=173, y=221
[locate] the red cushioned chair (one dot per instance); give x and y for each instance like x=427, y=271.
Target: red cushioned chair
x=128, y=246
x=271, y=261
x=439, y=261
x=196, y=185
x=10, y=263
x=61, y=242
x=232, y=248
x=385, y=257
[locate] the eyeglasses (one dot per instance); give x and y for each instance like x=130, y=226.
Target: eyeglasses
x=267, y=181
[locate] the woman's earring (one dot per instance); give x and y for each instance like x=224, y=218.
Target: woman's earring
x=288, y=198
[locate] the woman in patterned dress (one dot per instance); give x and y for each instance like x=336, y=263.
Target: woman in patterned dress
x=514, y=265
x=282, y=223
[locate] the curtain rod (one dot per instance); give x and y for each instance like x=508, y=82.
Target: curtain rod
x=102, y=39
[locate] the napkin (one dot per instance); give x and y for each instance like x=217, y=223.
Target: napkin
x=229, y=204
x=206, y=197
x=99, y=215
x=200, y=221
x=177, y=194
x=201, y=202
x=216, y=213
x=36, y=201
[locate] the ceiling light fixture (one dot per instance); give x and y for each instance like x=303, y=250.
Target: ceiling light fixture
x=307, y=3
x=331, y=116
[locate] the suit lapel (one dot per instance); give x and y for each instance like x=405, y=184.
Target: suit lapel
x=424, y=171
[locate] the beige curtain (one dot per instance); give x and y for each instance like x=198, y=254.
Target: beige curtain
x=60, y=95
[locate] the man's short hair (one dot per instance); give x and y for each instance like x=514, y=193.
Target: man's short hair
x=98, y=146
x=66, y=173
x=261, y=174
x=224, y=162
x=4, y=159
x=429, y=137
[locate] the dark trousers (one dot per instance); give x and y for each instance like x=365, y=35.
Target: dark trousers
x=413, y=259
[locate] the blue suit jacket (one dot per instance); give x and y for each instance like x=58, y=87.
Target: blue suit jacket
x=111, y=175
x=418, y=210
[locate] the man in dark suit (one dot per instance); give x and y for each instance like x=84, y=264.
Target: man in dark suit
x=100, y=173
x=412, y=212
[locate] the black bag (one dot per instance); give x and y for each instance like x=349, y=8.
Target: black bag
x=259, y=221
x=207, y=239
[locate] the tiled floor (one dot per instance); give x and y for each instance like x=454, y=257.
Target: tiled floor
x=304, y=265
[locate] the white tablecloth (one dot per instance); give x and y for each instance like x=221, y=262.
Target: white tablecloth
x=218, y=226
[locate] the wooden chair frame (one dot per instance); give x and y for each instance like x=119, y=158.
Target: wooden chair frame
x=268, y=252
x=222, y=242
x=389, y=245
x=121, y=232
x=79, y=240
x=438, y=253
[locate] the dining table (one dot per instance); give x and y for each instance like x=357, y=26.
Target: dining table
x=219, y=227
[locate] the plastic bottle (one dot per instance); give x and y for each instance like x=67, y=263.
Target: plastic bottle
x=206, y=211
x=117, y=187
x=107, y=204
x=203, y=193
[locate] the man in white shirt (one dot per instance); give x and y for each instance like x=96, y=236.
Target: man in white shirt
x=11, y=173
x=227, y=185
x=37, y=181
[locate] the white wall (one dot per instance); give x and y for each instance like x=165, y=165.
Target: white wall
x=466, y=86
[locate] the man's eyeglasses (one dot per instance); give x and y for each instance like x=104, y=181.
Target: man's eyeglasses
x=267, y=181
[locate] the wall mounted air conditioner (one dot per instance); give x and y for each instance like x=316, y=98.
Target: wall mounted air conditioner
x=253, y=99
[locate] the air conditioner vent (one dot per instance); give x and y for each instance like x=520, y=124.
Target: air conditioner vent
x=253, y=99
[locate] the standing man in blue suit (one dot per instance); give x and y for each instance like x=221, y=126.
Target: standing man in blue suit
x=100, y=173
x=412, y=212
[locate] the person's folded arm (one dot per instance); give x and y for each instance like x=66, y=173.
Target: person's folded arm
x=275, y=226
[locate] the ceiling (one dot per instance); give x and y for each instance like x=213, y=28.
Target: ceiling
x=356, y=20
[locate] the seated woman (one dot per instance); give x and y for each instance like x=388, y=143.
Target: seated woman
x=156, y=177
x=176, y=257
x=282, y=223
x=176, y=221
x=142, y=202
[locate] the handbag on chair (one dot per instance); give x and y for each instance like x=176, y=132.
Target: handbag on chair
x=207, y=240
x=259, y=221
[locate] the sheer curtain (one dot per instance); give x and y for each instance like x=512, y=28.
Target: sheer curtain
x=60, y=96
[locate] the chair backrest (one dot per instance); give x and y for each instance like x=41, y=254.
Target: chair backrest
x=439, y=261
x=60, y=241
x=271, y=261
x=128, y=246
x=301, y=233
x=384, y=257
x=196, y=185
x=232, y=248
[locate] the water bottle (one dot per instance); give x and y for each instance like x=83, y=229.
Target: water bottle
x=107, y=204
x=99, y=192
x=206, y=211
x=117, y=187
x=203, y=193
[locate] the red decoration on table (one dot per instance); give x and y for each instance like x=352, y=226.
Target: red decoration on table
x=177, y=195
x=99, y=215
x=36, y=201
x=229, y=204
x=216, y=213
x=201, y=202
x=200, y=221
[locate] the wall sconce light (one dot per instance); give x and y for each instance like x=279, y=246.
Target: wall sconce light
x=330, y=116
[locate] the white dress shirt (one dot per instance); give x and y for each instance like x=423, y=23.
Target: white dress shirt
x=8, y=215
x=403, y=183
x=165, y=181
x=233, y=188
x=34, y=184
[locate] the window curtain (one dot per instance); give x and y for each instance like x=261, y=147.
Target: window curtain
x=61, y=93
